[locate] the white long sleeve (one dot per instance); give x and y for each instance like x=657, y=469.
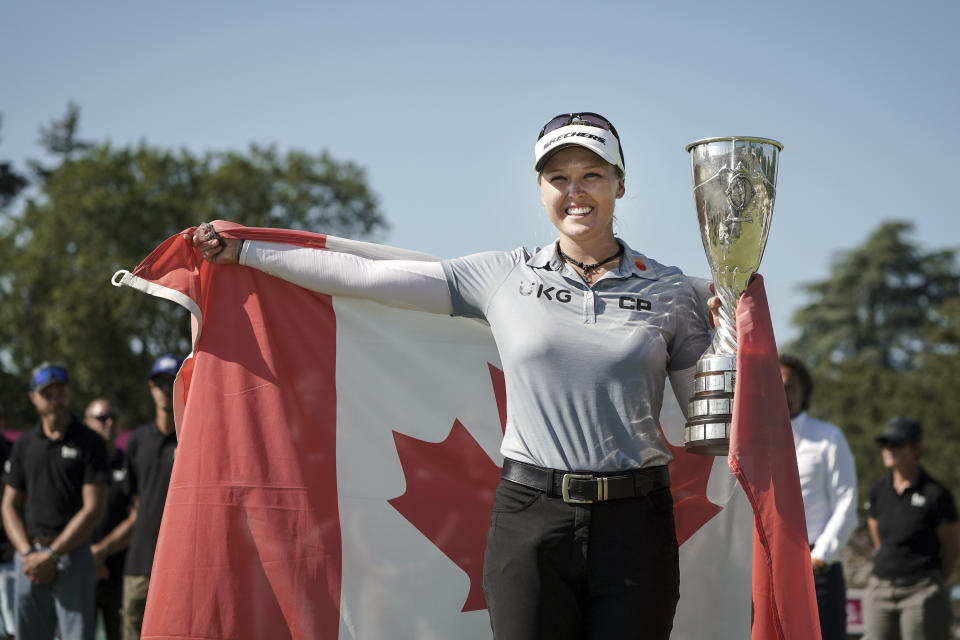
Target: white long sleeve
x=409, y=284
x=828, y=481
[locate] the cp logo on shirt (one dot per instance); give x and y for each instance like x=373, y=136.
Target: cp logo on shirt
x=636, y=304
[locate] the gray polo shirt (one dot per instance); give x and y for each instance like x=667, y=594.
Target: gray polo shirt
x=584, y=366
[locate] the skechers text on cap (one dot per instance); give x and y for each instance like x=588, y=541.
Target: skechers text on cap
x=589, y=130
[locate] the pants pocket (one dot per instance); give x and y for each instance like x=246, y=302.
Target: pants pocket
x=511, y=497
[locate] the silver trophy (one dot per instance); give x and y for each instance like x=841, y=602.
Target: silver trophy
x=734, y=186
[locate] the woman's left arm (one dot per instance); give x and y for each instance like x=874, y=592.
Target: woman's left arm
x=694, y=322
x=681, y=382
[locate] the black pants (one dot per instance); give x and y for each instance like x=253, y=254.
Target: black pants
x=832, y=603
x=580, y=572
x=109, y=601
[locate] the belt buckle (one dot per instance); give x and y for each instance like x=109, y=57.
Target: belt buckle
x=565, y=487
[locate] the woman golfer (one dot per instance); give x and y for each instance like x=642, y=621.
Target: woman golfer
x=581, y=542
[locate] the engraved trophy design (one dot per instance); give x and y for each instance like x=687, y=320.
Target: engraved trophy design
x=734, y=186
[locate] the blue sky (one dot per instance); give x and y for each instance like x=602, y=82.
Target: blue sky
x=441, y=102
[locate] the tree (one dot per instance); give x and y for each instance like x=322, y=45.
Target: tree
x=877, y=302
x=103, y=209
x=882, y=336
x=11, y=398
x=11, y=184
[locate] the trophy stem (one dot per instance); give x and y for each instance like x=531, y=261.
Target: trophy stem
x=725, y=339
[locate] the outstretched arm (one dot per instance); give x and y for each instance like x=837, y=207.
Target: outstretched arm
x=411, y=284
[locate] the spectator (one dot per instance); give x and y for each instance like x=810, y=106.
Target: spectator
x=150, y=452
x=55, y=479
x=828, y=481
x=7, y=574
x=112, y=536
x=913, y=524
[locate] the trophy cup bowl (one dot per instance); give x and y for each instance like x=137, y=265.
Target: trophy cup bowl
x=734, y=186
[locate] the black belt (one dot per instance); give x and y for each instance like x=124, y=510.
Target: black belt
x=581, y=488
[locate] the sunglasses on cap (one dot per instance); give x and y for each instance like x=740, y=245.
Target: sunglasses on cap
x=583, y=118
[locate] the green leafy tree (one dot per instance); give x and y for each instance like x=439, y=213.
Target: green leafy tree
x=103, y=208
x=877, y=301
x=11, y=184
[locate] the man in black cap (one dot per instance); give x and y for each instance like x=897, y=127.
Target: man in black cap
x=150, y=453
x=913, y=524
x=55, y=479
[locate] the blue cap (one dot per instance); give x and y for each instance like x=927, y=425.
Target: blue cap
x=168, y=364
x=46, y=374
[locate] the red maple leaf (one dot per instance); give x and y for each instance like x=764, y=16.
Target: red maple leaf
x=450, y=488
x=689, y=475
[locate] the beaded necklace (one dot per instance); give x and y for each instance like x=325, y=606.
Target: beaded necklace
x=589, y=268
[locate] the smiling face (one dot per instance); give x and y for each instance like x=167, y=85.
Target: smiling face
x=580, y=190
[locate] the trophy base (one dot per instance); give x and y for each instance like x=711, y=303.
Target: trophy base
x=709, y=413
x=707, y=435
x=714, y=447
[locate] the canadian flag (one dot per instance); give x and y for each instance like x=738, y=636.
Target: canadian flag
x=338, y=459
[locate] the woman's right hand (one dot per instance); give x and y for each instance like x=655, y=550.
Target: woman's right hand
x=214, y=247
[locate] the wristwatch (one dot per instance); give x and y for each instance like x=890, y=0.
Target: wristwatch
x=54, y=555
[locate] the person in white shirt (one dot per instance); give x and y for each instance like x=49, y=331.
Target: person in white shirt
x=828, y=481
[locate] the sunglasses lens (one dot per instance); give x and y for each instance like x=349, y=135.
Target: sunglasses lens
x=555, y=123
x=588, y=119
x=591, y=119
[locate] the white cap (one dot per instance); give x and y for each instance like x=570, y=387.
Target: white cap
x=601, y=141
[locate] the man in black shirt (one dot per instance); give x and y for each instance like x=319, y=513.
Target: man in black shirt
x=112, y=536
x=150, y=453
x=55, y=478
x=913, y=524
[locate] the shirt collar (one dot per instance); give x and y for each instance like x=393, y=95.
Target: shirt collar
x=633, y=263
x=546, y=258
x=917, y=483
x=64, y=435
x=160, y=434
